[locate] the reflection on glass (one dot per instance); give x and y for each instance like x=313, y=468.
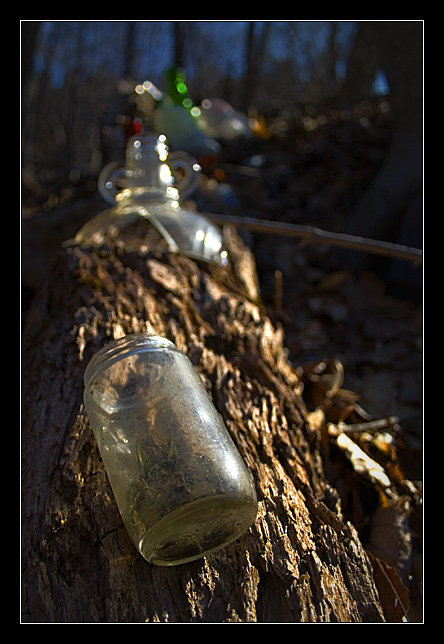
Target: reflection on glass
x=150, y=192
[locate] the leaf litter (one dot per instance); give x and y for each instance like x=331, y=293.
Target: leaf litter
x=358, y=348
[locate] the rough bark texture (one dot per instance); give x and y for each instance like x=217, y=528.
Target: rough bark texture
x=300, y=561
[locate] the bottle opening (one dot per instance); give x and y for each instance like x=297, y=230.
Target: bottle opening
x=123, y=347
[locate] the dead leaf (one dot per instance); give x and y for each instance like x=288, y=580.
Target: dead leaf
x=360, y=461
x=393, y=595
x=390, y=536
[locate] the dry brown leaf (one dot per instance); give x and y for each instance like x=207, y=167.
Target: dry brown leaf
x=393, y=595
x=390, y=536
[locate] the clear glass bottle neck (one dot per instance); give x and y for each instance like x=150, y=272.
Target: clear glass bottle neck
x=147, y=173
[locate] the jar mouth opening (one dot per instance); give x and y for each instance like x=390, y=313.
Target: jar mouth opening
x=122, y=348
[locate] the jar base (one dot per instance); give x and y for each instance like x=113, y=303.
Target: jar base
x=198, y=529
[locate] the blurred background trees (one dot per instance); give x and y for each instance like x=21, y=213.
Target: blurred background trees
x=343, y=99
x=73, y=75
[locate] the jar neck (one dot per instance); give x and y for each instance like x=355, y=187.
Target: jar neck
x=122, y=348
x=148, y=176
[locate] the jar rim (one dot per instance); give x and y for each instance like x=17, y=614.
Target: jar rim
x=123, y=347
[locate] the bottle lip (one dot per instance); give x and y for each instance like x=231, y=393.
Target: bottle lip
x=147, y=141
x=122, y=348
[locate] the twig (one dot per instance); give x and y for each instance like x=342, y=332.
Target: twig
x=387, y=423
x=278, y=279
x=372, y=425
x=311, y=235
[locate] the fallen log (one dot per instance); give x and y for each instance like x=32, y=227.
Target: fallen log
x=301, y=561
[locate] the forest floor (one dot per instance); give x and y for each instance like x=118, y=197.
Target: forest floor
x=368, y=322
x=354, y=333
x=355, y=338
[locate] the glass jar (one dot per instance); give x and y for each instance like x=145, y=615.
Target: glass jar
x=181, y=486
x=151, y=191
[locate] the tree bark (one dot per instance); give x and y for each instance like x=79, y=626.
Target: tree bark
x=300, y=561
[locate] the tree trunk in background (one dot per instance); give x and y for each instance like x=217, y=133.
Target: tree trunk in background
x=179, y=39
x=130, y=50
x=255, y=49
x=389, y=210
x=29, y=34
x=300, y=562
x=362, y=65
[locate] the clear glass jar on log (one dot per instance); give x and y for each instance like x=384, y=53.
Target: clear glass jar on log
x=179, y=481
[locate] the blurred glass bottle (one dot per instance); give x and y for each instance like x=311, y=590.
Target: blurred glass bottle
x=178, y=91
x=150, y=191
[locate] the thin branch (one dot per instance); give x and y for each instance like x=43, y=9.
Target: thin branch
x=312, y=235
x=388, y=423
x=377, y=425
